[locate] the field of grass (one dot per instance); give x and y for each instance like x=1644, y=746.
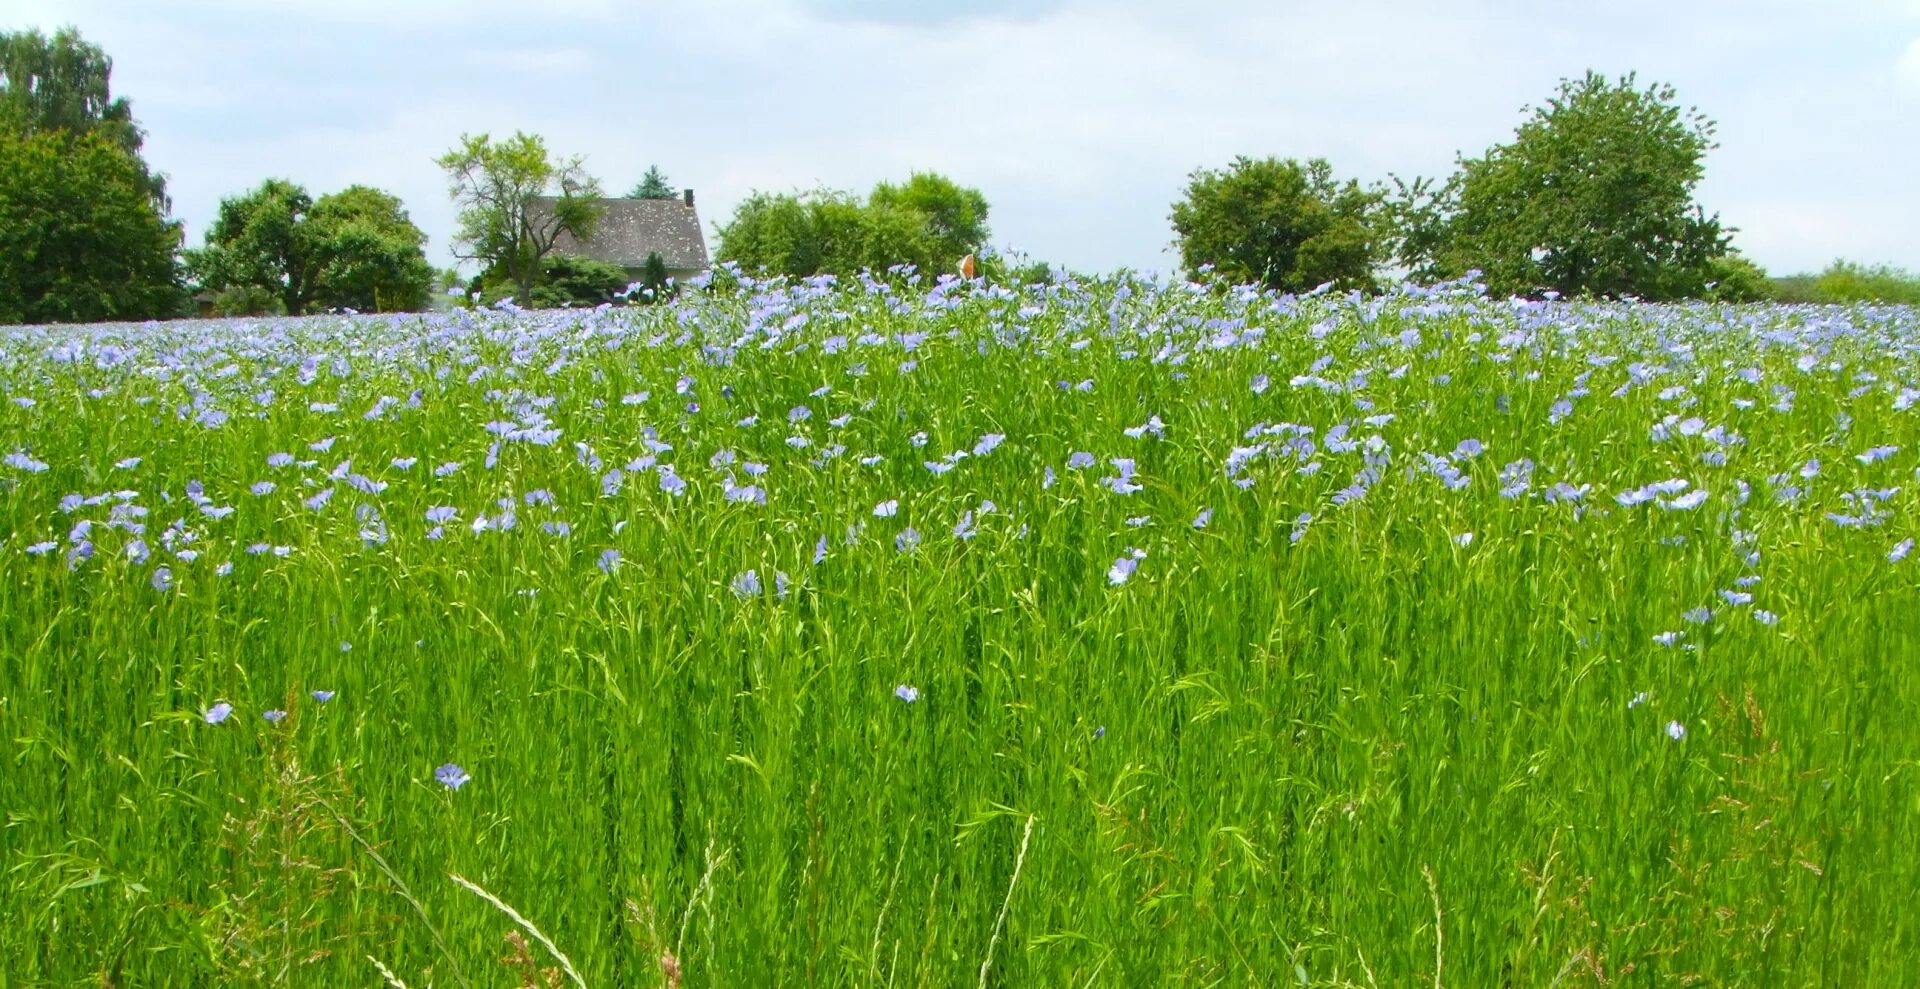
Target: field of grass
x=1113, y=634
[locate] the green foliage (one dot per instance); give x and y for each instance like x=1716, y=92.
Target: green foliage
x=63, y=83
x=1847, y=281
x=1731, y=277
x=353, y=249
x=653, y=185
x=564, y=280
x=574, y=281
x=248, y=300
x=954, y=214
x=81, y=238
x=371, y=255
x=1795, y=289
x=262, y=239
x=1592, y=197
x=1279, y=224
x=496, y=184
x=928, y=223
x=654, y=279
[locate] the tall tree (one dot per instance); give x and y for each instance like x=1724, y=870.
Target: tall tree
x=63, y=83
x=371, y=255
x=1593, y=196
x=353, y=249
x=262, y=239
x=653, y=185
x=954, y=214
x=80, y=238
x=927, y=222
x=504, y=220
x=1280, y=224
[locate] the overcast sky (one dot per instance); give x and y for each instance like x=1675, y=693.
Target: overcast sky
x=1078, y=119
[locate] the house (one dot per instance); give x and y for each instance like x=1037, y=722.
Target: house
x=631, y=229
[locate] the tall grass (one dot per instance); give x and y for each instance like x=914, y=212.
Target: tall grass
x=1429, y=735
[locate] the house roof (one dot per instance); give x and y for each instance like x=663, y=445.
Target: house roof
x=630, y=229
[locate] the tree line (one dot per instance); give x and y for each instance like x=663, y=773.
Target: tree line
x=1592, y=197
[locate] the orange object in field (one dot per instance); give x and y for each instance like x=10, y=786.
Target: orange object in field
x=967, y=267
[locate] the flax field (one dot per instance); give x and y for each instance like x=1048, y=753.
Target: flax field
x=900, y=633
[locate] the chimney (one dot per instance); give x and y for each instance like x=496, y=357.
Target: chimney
x=689, y=197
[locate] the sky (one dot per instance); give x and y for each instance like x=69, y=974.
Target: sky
x=1080, y=120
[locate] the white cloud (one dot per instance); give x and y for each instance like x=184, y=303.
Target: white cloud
x=1909, y=68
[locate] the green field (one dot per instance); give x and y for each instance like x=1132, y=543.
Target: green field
x=780, y=633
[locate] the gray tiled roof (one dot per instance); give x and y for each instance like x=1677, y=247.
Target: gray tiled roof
x=630, y=229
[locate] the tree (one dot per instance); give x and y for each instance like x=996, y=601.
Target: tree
x=955, y=215
x=80, y=237
x=1849, y=281
x=499, y=188
x=262, y=239
x=928, y=222
x=653, y=277
x=565, y=280
x=370, y=253
x=1279, y=224
x=1732, y=277
x=653, y=185
x=62, y=83
x=353, y=249
x=1593, y=196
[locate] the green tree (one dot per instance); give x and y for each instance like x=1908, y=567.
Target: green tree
x=1732, y=277
x=565, y=280
x=927, y=222
x=353, y=249
x=1593, y=196
x=370, y=254
x=1848, y=281
x=504, y=220
x=653, y=277
x=954, y=214
x=63, y=83
x=262, y=239
x=1280, y=224
x=653, y=185
x=81, y=239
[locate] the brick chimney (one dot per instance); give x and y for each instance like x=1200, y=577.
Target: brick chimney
x=689, y=197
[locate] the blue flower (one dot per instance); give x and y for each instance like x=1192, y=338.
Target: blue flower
x=452, y=776
x=1676, y=731
x=907, y=693
x=323, y=696
x=275, y=716
x=747, y=585
x=219, y=712
x=609, y=558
